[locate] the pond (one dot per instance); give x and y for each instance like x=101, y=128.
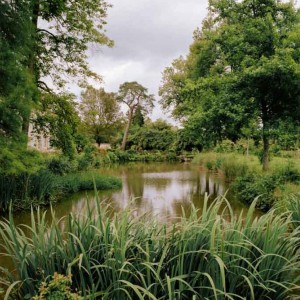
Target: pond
x=161, y=189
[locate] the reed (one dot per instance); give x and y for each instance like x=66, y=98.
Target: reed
x=294, y=208
x=214, y=256
x=25, y=190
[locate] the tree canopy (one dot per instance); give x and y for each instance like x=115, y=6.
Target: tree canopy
x=134, y=96
x=43, y=46
x=243, y=68
x=100, y=114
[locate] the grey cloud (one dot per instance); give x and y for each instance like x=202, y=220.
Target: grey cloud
x=148, y=35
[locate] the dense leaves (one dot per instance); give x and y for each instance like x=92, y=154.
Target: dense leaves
x=242, y=69
x=100, y=114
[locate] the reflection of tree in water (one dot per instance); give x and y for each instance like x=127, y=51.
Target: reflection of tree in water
x=162, y=189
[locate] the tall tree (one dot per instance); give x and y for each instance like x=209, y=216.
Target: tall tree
x=61, y=33
x=243, y=67
x=17, y=90
x=100, y=114
x=44, y=44
x=134, y=96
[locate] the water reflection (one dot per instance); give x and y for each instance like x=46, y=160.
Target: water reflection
x=160, y=189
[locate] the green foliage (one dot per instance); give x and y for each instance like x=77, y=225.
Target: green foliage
x=58, y=288
x=217, y=255
x=31, y=181
x=134, y=96
x=59, y=119
x=138, y=117
x=15, y=159
x=157, y=135
x=70, y=28
x=228, y=164
x=25, y=190
x=294, y=208
x=226, y=146
x=225, y=94
x=73, y=183
x=17, y=90
x=29, y=54
x=100, y=113
x=61, y=165
x=252, y=185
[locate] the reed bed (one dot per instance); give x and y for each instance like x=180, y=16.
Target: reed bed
x=126, y=257
x=25, y=190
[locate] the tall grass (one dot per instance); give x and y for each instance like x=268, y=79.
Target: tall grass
x=126, y=257
x=26, y=190
x=294, y=208
x=229, y=164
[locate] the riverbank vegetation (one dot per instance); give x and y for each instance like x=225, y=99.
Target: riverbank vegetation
x=274, y=188
x=217, y=255
x=24, y=191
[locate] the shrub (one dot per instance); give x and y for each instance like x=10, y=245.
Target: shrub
x=226, y=146
x=247, y=187
x=62, y=165
x=58, y=288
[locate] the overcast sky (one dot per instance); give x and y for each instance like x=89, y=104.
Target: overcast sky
x=148, y=35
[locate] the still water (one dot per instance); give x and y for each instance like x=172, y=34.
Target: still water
x=160, y=189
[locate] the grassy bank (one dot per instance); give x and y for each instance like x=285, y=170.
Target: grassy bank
x=53, y=176
x=273, y=188
x=44, y=187
x=134, y=258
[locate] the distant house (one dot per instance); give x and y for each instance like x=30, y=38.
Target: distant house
x=104, y=146
x=38, y=141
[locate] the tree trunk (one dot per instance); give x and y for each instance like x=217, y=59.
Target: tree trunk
x=123, y=146
x=247, y=151
x=265, y=157
x=32, y=56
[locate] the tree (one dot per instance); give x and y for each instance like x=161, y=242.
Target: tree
x=43, y=44
x=138, y=117
x=134, y=95
x=157, y=135
x=100, y=114
x=61, y=33
x=17, y=90
x=267, y=65
x=58, y=118
x=243, y=68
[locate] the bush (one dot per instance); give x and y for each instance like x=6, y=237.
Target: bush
x=62, y=165
x=58, y=288
x=226, y=146
x=247, y=187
